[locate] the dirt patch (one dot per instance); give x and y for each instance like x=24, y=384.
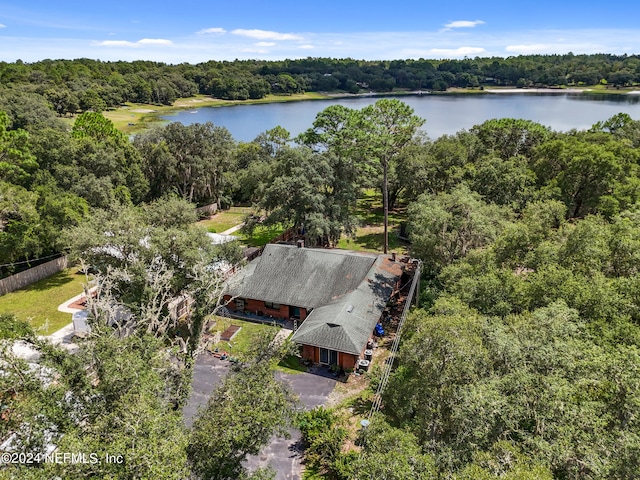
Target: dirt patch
x=142, y=110
x=353, y=387
x=229, y=333
x=81, y=303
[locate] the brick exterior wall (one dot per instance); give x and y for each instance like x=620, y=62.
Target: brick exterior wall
x=253, y=306
x=345, y=360
x=311, y=353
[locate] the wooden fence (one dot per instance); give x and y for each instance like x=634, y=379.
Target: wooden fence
x=207, y=209
x=22, y=279
x=286, y=236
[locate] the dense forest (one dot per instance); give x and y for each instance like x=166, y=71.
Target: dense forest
x=84, y=84
x=522, y=361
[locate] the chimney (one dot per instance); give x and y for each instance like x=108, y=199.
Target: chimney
x=300, y=243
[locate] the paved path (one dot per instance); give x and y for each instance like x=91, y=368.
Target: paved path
x=232, y=229
x=63, y=336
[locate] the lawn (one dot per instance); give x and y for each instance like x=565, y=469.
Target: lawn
x=38, y=303
x=225, y=219
x=262, y=235
x=370, y=233
x=371, y=239
x=242, y=341
x=291, y=364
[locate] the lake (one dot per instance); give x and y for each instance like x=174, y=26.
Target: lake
x=444, y=114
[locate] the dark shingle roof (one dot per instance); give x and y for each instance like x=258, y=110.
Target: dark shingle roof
x=301, y=277
x=347, y=323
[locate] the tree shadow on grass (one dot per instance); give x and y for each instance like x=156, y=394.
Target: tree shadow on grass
x=360, y=405
x=55, y=281
x=375, y=216
x=374, y=241
x=263, y=235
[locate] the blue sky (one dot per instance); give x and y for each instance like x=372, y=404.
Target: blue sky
x=196, y=31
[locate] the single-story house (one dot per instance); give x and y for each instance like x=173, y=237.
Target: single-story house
x=336, y=297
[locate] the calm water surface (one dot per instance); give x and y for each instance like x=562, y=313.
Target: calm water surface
x=444, y=114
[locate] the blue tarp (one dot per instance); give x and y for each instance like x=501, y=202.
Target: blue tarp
x=379, y=330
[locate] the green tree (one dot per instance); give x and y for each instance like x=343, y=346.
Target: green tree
x=244, y=411
x=579, y=172
x=112, y=397
x=447, y=226
x=189, y=160
x=19, y=222
x=16, y=161
x=144, y=260
x=107, y=162
x=323, y=436
x=508, y=137
x=389, y=126
x=392, y=454
x=296, y=195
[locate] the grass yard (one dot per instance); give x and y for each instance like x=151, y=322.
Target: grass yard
x=225, y=219
x=370, y=234
x=371, y=239
x=242, y=341
x=38, y=303
x=262, y=235
x=291, y=364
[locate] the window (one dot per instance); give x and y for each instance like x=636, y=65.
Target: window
x=274, y=306
x=239, y=304
x=324, y=356
x=328, y=357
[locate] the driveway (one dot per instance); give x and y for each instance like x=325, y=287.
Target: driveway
x=207, y=373
x=284, y=455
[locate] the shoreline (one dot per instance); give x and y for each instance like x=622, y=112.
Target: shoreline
x=132, y=119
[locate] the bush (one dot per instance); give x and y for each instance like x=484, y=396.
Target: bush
x=322, y=436
x=12, y=328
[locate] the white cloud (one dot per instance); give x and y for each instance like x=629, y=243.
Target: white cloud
x=2, y=25
x=457, y=52
x=306, y=47
x=117, y=43
x=529, y=49
x=154, y=41
x=139, y=43
x=464, y=24
x=361, y=45
x=215, y=30
x=254, y=50
x=265, y=34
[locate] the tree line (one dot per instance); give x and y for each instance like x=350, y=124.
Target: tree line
x=72, y=86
